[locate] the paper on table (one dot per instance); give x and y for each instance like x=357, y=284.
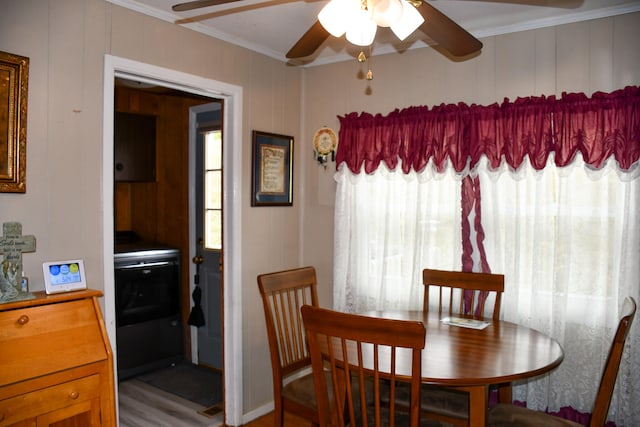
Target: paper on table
x=465, y=323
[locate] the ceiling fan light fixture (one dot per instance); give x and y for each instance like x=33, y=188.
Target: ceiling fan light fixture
x=362, y=30
x=385, y=12
x=336, y=15
x=410, y=20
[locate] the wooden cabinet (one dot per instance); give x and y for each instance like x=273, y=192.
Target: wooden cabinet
x=56, y=364
x=134, y=137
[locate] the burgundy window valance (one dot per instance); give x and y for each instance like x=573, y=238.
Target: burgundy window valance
x=602, y=126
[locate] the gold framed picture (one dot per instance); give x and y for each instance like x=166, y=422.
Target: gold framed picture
x=14, y=78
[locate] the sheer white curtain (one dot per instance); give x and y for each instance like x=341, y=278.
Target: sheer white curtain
x=566, y=239
x=568, y=242
x=388, y=227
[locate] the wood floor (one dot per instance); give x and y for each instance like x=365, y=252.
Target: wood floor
x=142, y=405
x=289, y=421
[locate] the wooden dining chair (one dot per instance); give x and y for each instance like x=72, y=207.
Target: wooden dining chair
x=360, y=351
x=283, y=295
x=458, y=293
x=512, y=415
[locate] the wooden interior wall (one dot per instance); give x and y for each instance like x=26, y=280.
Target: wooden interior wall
x=159, y=211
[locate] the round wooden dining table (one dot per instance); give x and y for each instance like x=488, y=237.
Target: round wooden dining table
x=497, y=354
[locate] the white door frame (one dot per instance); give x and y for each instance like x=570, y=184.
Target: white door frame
x=232, y=169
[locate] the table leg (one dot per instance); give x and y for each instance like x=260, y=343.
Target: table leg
x=504, y=393
x=478, y=403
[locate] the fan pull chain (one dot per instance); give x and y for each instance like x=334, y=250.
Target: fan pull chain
x=362, y=58
x=369, y=72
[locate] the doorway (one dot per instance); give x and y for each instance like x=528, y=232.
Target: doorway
x=205, y=128
x=232, y=97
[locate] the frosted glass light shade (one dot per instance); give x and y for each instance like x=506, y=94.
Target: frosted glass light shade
x=410, y=20
x=336, y=16
x=385, y=12
x=362, y=30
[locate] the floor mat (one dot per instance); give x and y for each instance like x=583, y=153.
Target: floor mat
x=194, y=383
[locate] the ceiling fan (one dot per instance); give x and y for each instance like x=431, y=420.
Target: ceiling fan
x=437, y=26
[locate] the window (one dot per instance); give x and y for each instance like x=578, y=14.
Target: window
x=567, y=241
x=556, y=234
x=389, y=226
x=213, y=190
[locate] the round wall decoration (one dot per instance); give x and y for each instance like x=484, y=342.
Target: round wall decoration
x=325, y=143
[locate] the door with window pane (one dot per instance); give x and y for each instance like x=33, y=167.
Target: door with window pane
x=209, y=217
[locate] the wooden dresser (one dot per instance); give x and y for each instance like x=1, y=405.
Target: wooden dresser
x=56, y=365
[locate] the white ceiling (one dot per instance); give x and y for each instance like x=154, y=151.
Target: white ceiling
x=271, y=27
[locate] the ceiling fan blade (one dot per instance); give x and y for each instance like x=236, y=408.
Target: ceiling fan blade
x=197, y=4
x=245, y=7
x=442, y=30
x=309, y=42
x=563, y=4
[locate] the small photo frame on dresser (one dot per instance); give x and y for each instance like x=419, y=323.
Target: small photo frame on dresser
x=64, y=276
